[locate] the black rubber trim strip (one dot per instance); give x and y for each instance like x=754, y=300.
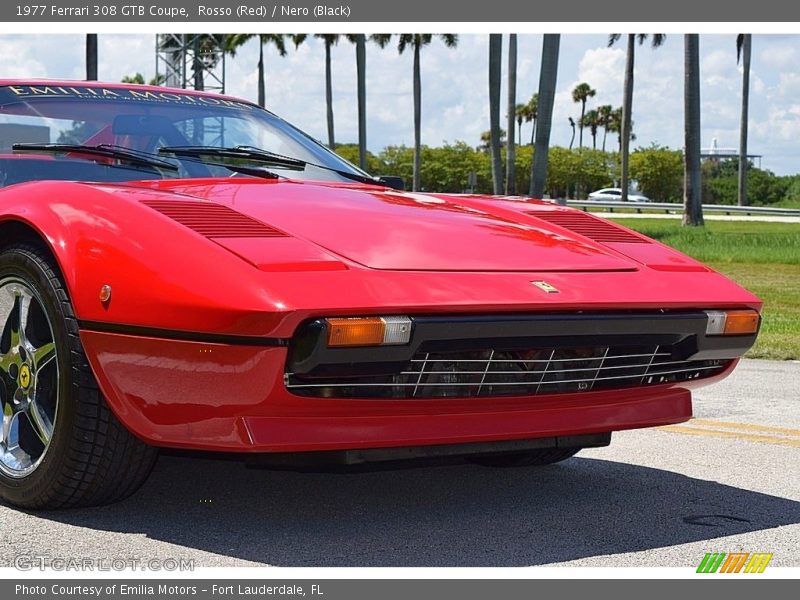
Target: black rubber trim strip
x=345, y=460
x=183, y=336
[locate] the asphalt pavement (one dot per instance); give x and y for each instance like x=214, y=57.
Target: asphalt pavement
x=727, y=481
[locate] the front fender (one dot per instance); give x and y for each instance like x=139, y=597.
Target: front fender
x=162, y=275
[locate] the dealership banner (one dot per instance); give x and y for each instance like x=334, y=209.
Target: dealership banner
x=349, y=589
x=363, y=11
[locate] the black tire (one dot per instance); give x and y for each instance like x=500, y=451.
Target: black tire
x=531, y=458
x=89, y=458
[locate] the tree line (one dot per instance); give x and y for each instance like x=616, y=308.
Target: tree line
x=657, y=170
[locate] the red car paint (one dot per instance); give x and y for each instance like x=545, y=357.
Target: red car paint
x=337, y=250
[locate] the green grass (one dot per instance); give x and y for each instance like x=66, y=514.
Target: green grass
x=787, y=203
x=726, y=241
x=762, y=257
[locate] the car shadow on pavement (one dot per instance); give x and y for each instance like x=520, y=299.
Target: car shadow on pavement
x=445, y=516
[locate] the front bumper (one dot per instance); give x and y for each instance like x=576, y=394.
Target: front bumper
x=215, y=396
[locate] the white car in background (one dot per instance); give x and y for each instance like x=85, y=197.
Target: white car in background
x=607, y=194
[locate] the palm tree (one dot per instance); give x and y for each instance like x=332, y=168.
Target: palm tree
x=572, y=139
x=329, y=40
x=614, y=125
x=692, y=192
x=486, y=140
x=592, y=120
x=91, y=57
x=360, y=41
x=548, y=75
x=604, y=114
x=495, y=57
x=743, y=43
x=511, y=146
x=581, y=93
x=417, y=41
x=627, y=105
x=519, y=111
x=235, y=41
x=528, y=112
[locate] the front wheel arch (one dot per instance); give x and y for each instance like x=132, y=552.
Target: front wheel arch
x=15, y=233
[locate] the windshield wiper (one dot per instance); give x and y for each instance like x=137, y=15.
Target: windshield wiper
x=103, y=150
x=252, y=171
x=250, y=153
x=355, y=176
x=244, y=153
x=346, y=174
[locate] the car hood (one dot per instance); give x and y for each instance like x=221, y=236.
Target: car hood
x=386, y=229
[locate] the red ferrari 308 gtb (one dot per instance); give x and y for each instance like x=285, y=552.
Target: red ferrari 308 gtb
x=186, y=270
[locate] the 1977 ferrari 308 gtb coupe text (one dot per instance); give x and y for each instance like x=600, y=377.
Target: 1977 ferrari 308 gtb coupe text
x=185, y=270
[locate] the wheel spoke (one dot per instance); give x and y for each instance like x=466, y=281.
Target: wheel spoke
x=43, y=355
x=41, y=424
x=6, y=361
x=23, y=307
x=13, y=317
x=8, y=417
x=9, y=324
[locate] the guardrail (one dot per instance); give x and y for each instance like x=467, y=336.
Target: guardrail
x=670, y=207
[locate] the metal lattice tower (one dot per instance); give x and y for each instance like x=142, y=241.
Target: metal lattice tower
x=197, y=61
x=191, y=60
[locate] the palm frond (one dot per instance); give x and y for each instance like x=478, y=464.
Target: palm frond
x=450, y=39
x=276, y=39
x=235, y=41
x=381, y=39
x=739, y=45
x=404, y=41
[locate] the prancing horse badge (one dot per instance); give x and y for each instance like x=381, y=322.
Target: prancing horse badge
x=546, y=287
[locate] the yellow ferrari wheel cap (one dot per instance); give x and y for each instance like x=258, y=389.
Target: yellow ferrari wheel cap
x=25, y=376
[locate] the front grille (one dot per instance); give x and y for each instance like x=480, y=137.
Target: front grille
x=494, y=372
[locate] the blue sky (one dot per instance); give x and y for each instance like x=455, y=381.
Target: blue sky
x=455, y=98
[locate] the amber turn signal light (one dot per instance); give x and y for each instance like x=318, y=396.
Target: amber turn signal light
x=732, y=322
x=368, y=331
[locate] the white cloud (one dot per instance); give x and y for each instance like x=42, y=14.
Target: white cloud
x=779, y=55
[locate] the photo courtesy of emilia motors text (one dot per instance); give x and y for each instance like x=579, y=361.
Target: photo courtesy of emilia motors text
x=357, y=299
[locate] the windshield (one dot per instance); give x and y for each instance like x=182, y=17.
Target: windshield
x=145, y=120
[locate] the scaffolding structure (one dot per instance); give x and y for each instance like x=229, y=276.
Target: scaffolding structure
x=194, y=61
x=191, y=60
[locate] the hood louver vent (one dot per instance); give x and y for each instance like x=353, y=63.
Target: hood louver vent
x=586, y=225
x=213, y=220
